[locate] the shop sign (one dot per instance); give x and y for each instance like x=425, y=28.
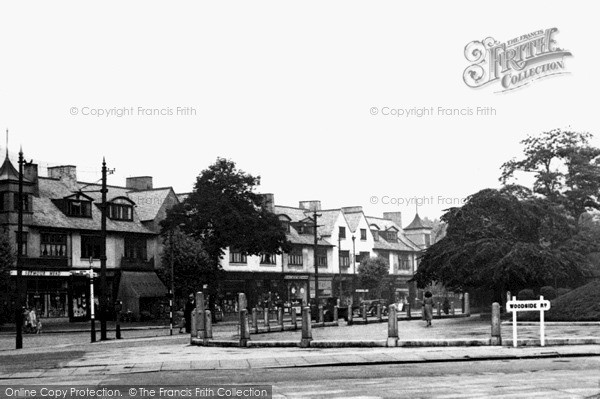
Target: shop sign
x=41, y=273
x=292, y=277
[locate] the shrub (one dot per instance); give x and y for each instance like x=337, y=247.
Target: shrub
x=525, y=295
x=548, y=292
x=446, y=305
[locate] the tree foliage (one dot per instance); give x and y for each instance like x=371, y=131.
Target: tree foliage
x=502, y=242
x=371, y=274
x=566, y=169
x=224, y=211
x=190, y=263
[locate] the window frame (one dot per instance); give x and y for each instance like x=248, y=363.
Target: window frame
x=342, y=232
x=344, y=258
x=85, y=254
x=52, y=243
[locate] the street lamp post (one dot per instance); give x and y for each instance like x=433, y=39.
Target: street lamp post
x=353, y=264
x=19, y=307
x=92, y=313
x=340, y=264
x=103, y=286
x=172, y=293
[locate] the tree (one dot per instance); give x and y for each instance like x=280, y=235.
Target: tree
x=224, y=211
x=498, y=241
x=7, y=260
x=565, y=166
x=190, y=263
x=372, y=273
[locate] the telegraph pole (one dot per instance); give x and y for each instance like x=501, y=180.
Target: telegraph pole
x=340, y=264
x=19, y=309
x=315, y=216
x=103, y=288
x=172, y=298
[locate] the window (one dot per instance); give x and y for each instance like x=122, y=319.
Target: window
x=390, y=235
x=24, y=237
x=4, y=201
x=363, y=256
x=91, y=247
x=268, y=259
x=135, y=248
x=286, y=225
x=78, y=208
x=375, y=235
x=26, y=202
x=120, y=212
x=363, y=234
x=342, y=233
x=237, y=257
x=404, y=262
x=295, y=257
x=344, y=258
x=321, y=257
x=53, y=245
x=427, y=240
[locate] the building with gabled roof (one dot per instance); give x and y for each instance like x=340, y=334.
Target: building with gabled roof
x=62, y=240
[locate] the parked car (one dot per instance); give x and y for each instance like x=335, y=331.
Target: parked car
x=371, y=307
x=328, y=307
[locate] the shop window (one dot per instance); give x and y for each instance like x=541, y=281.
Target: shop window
x=135, y=248
x=237, y=257
x=53, y=245
x=344, y=258
x=295, y=257
x=91, y=246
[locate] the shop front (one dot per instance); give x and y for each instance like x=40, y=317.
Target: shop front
x=325, y=286
x=297, y=290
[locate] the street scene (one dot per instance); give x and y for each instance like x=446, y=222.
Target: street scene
x=318, y=200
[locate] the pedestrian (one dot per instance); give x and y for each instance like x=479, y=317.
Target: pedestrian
x=187, y=312
x=428, y=308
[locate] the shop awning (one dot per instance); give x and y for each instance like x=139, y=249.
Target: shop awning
x=141, y=285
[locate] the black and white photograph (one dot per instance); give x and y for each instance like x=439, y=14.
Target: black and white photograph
x=277, y=199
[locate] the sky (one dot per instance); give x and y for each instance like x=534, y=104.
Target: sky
x=300, y=93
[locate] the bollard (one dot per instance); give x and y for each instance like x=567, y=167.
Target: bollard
x=379, y=317
x=335, y=313
x=194, y=327
x=208, y=324
x=408, y=310
x=350, y=315
x=321, y=314
x=439, y=309
x=496, y=331
x=306, y=328
x=364, y=311
x=255, y=320
x=467, y=305
x=244, y=330
x=508, y=296
x=280, y=317
x=452, y=308
x=242, y=302
x=199, y=311
x=266, y=317
x=392, y=326
x=294, y=321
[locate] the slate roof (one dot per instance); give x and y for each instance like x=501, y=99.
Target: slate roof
x=149, y=202
x=298, y=215
x=417, y=224
x=47, y=214
x=403, y=244
x=353, y=220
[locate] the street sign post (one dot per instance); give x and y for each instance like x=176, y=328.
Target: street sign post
x=515, y=306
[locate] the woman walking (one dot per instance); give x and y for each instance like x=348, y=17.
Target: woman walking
x=428, y=308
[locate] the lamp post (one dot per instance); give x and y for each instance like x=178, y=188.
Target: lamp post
x=19, y=307
x=353, y=264
x=92, y=304
x=103, y=287
x=172, y=293
x=316, y=239
x=340, y=264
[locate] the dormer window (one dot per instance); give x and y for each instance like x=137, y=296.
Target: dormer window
x=78, y=208
x=120, y=209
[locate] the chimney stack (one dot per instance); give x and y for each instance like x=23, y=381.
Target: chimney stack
x=63, y=172
x=30, y=172
x=310, y=205
x=269, y=202
x=395, y=217
x=139, y=183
